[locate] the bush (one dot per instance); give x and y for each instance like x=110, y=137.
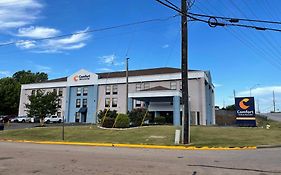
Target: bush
x=160, y=120
x=109, y=114
x=108, y=122
x=122, y=121
x=136, y=116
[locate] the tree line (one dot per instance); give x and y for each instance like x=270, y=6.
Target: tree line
x=10, y=88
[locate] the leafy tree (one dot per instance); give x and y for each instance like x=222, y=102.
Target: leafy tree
x=42, y=104
x=137, y=116
x=230, y=108
x=10, y=89
x=27, y=77
x=9, y=96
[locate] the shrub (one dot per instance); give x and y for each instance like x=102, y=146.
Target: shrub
x=160, y=120
x=109, y=114
x=108, y=122
x=122, y=121
x=136, y=116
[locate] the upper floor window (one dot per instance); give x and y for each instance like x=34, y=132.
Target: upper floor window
x=85, y=101
x=138, y=103
x=79, y=91
x=59, y=114
x=138, y=86
x=59, y=103
x=114, y=102
x=78, y=103
x=33, y=92
x=85, y=91
x=114, y=89
x=173, y=85
x=107, y=102
x=146, y=85
x=60, y=92
x=107, y=90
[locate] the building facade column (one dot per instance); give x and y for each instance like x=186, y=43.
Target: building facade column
x=176, y=111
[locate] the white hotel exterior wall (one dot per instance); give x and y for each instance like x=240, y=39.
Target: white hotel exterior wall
x=197, y=92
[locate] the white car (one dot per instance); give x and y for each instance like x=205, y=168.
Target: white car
x=52, y=119
x=21, y=119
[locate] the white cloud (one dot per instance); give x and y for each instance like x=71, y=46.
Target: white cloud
x=111, y=60
x=5, y=73
x=15, y=13
x=260, y=91
x=165, y=46
x=37, y=32
x=26, y=44
x=75, y=41
x=217, y=85
x=41, y=68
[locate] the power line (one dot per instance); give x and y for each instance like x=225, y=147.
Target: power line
x=94, y=30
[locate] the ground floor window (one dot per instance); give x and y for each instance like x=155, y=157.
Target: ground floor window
x=114, y=102
x=107, y=102
x=77, y=117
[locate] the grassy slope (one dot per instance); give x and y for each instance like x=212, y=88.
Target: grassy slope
x=201, y=136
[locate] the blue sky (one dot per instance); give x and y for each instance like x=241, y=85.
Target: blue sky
x=238, y=58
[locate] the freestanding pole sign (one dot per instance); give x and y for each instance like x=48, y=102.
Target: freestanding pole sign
x=245, y=111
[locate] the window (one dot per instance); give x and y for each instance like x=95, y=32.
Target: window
x=60, y=92
x=180, y=85
x=107, y=90
x=85, y=91
x=85, y=102
x=114, y=102
x=79, y=91
x=77, y=116
x=59, y=103
x=138, y=87
x=55, y=91
x=78, y=103
x=114, y=89
x=146, y=85
x=107, y=102
x=138, y=103
x=33, y=92
x=173, y=85
x=59, y=114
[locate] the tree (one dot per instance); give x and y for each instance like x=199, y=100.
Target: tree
x=9, y=96
x=42, y=104
x=230, y=108
x=27, y=77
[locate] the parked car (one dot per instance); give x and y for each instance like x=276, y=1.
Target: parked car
x=21, y=119
x=53, y=119
x=6, y=118
x=35, y=119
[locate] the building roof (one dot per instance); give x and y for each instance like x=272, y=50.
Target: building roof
x=118, y=74
x=156, y=88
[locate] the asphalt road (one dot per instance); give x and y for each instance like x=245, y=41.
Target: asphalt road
x=274, y=116
x=26, y=158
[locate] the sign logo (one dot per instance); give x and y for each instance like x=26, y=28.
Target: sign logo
x=245, y=106
x=242, y=103
x=81, y=77
x=75, y=78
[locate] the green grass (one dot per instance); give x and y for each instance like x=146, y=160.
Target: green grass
x=156, y=135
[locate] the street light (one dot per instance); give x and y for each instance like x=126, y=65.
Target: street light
x=253, y=88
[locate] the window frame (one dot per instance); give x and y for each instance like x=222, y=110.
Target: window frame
x=60, y=92
x=85, y=102
x=173, y=85
x=78, y=103
x=107, y=90
x=114, y=102
x=79, y=91
x=115, y=89
x=85, y=91
x=138, y=86
x=107, y=105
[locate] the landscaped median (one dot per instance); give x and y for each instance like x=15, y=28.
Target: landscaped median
x=218, y=138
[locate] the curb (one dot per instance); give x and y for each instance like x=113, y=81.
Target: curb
x=268, y=146
x=134, y=145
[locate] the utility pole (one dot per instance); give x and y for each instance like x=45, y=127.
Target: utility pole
x=127, y=83
x=234, y=93
x=274, y=102
x=184, y=73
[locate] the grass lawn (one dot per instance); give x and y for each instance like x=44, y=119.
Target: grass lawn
x=159, y=135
